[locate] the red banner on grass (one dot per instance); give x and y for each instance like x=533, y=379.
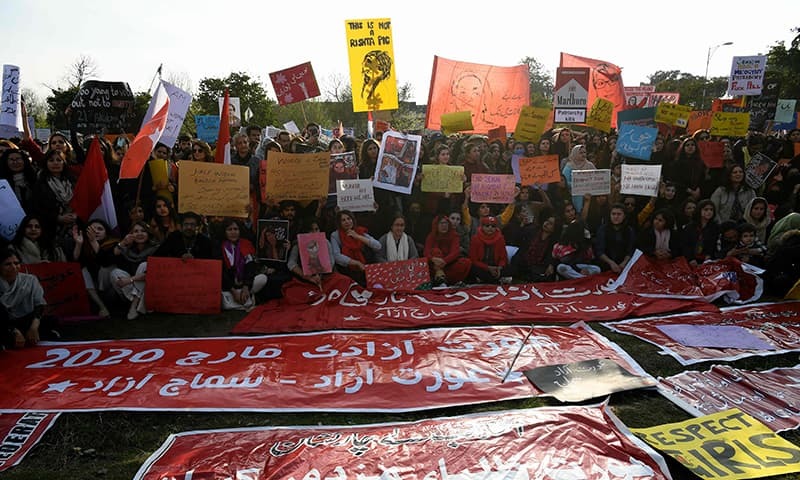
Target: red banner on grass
x=356, y=307
x=365, y=371
x=64, y=289
x=581, y=442
x=19, y=432
x=400, y=275
x=771, y=396
x=779, y=323
x=175, y=285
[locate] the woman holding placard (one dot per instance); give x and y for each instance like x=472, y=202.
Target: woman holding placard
x=577, y=160
x=352, y=245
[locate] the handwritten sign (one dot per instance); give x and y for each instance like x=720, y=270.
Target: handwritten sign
x=297, y=176
x=179, y=101
x=747, y=75
x=758, y=170
x=699, y=120
x=213, y=189
x=10, y=111
x=370, y=49
x=355, y=195
x=539, y=170
x=591, y=182
x=729, y=444
x=63, y=286
x=207, y=127
x=42, y=134
x=784, y=110
x=636, y=142
x=456, y=122
x=489, y=188
x=673, y=114
x=657, y=98
x=11, y=212
x=531, y=123
x=640, y=180
x=443, y=178
x=315, y=258
x=103, y=107
x=294, y=84
x=730, y=124
x=762, y=107
x=600, y=115
x=579, y=381
x=712, y=153
x=498, y=133
x=400, y=275
x=175, y=285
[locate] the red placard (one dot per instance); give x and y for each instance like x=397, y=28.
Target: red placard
x=400, y=275
x=294, y=84
x=19, y=432
x=575, y=442
x=63, y=286
x=712, y=153
x=174, y=285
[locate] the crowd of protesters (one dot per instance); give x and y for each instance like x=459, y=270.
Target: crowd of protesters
x=546, y=234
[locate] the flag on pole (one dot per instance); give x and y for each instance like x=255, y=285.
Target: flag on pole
x=148, y=136
x=223, y=153
x=369, y=125
x=92, y=199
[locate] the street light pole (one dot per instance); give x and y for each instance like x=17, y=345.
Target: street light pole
x=711, y=51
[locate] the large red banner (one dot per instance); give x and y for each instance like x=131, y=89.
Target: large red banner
x=356, y=307
x=577, y=442
x=19, y=432
x=779, y=323
x=772, y=396
x=365, y=371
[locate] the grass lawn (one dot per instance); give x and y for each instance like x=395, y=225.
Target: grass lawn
x=113, y=445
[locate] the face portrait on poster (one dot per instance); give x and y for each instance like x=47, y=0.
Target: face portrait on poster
x=273, y=240
x=397, y=162
x=314, y=255
x=234, y=111
x=343, y=166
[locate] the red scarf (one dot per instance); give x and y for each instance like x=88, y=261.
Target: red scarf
x=352, y=247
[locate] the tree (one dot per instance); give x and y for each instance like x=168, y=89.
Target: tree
x=407, y=117
x=250, y=92
x=83, y=68
x=690, y=86
x=541, y=83
x=784, y=64
x=37, y=108
x=58, y=103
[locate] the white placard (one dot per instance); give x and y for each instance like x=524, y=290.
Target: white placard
x=272, y=132
x=291, y=127
x=640, y=180
x=42, y=134
x=10, y=111
x=355, y=195
x=397, y=162
x=593, y=182
x=234, y=111
x=179, y=102
x=784, y=111
x=11, y=212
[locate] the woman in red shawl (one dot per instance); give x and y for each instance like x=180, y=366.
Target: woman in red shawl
x=442, y=247
x=487, y=250
x=350, y=243
x=240, y=280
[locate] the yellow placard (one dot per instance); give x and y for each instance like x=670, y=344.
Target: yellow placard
x=159, y=172
x=442, y=178
x=372, y=69
x=730, y=445
x=213, y=189
x=531, y=123
x=600, y=115
x=297, y=176
x=730, y=124
x=456, y=122
x=673, y=114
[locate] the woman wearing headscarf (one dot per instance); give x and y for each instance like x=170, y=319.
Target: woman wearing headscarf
x=577, y=160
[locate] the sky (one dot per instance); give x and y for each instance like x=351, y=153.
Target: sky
x=203, y=38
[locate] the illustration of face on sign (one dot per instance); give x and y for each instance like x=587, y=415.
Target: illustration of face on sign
x=606, y=81
x=471, y=92
x=375, y=67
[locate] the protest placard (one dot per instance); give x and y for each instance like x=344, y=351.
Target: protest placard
x=733, y=124
x=456, y=122
x=314, y=255
x=207, y=127
x=712, y=153
x=600, y=115
x=747, y=75
x=159, y=172
x=539, y=170
x=291, y=127
x=784, y=110
x=343, y=166
x=442, y=178
x=179, y=101
x=176, y=285
x=273, y=240
x=643, y=117
x=636, y=142
x=64, y=289
x=531, y=123
x=571, y=95
x=591, y=182
x=10, y=110
x=103, y=107
x=673, y=114
x=657, y=98
x=294, y=84
x=490, y=188
x=498, y=133
x=370, y=49
x=762, y=107
x=579, y=381
x=640, y=180
x=637, y=97
x=355, y=195
x=758, y=170
x=397, y=162
x=297, y=176
x=11, y=212
x=213, y=189
x=234, y=111
x=398, y=275
x=42, y=134
x=699, y=120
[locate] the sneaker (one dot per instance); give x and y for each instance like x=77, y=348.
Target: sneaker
x=133, y=312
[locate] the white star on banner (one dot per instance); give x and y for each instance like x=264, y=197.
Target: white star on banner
x=60, y=386
x=351, y=318
x=279, y=78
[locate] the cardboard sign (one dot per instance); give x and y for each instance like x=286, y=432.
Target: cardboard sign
x=315, y=258
x=531, y=123
x=179, y=101
x=673, y=114
x=592, y=182
x=355, y=195
x=343, y=166
x=498, y=133
x=730, y=124
x=730, y=444
x=400, y=275
x=636, y=142
x=273, y=240
x=175, y=285
x=539, y=170
x=640, y=180
x=571, y=95
x=579, y=381
x=490, y=188
x=207, y=127
x=297, y=176
x=213, y=189
x=294, y=84
x=442, y=178
x=397, y=162
x=370, y=49
x=784, y=110
x=600, y=115
x=747, y=75
x=11, y=212
x=103, y=107
x=758, y=170
x=10, y=110
x=712, y=153
x=63, y=286
x=699, y=120
x=456, y=122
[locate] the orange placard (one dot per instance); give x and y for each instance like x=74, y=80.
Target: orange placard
x=605, y=80
x=498, y=133
x=699, y=120
x=712, y=153
x=539, y=170
x=175, y=285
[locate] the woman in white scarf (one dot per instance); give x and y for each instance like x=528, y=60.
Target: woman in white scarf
x=396, y=245
x=577, y=160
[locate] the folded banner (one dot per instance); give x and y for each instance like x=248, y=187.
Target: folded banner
x=352, y=306
x=19, y=433
x=400, y=370
x=586, y=442
x=778, y=324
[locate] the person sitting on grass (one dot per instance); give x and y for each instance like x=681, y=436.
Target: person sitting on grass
x=573, y=253
x=21, y=305
x=487, y=251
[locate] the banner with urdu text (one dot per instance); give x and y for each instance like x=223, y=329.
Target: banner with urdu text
x=577, y=442
x=400, y=370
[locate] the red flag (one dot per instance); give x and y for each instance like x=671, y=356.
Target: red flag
x=223, y=153
x=606, y=81
x=92, y=198
x=148, y=136
x=370, y=132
